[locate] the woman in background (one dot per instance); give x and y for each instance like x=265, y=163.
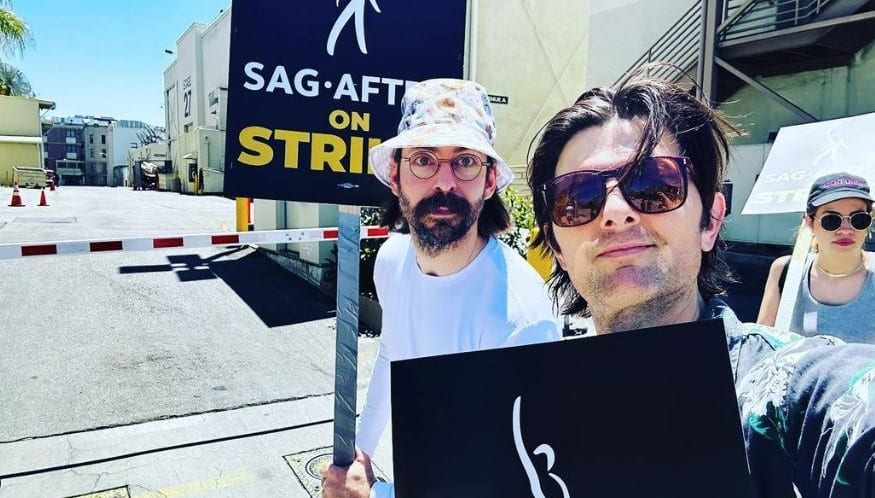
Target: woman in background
x=837, y=293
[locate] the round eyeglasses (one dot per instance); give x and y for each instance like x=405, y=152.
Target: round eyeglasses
x=425, y=164
x=833, y=221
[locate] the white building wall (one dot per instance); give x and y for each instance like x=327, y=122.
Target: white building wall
x=621, y=31
x=188, y=77
x=124, y=135
x=216, y=41
x=534, y=53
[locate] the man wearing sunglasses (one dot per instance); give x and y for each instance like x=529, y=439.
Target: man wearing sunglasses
x=627, y=195
x=445, y=284
x=837, y=292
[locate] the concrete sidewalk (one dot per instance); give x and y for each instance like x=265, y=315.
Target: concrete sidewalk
x=248, y=452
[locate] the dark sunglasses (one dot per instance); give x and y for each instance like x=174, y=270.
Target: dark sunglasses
x=833, y=221
x=654, y=185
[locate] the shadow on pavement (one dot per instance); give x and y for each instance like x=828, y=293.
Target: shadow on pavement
x=277, y=297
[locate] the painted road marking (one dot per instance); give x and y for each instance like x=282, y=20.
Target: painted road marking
x=197, y=487
x=108, y=493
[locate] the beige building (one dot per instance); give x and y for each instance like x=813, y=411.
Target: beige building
x=195, y=89
x=21, y=140
x=535, y=54
x=98, y=150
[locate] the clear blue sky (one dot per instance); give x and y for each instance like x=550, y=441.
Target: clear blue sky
x=106, y=57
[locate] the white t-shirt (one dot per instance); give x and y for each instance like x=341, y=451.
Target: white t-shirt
x=498, y=300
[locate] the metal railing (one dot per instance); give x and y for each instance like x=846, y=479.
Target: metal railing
x=680, y=45
x=753, y=17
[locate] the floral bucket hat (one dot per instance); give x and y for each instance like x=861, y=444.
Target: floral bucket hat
x=443, y=113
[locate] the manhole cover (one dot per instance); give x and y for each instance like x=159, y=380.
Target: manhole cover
x=308, y=466
x=108, y=493
x=35, y=219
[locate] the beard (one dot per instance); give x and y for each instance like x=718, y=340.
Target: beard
x=638, y=295
x=436, y=235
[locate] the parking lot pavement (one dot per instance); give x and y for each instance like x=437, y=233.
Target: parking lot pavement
x=170, y=373
x=77, y=213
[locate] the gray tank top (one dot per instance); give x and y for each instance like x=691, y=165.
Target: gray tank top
x=853, y=321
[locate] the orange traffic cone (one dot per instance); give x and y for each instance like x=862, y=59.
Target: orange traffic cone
x=16, y=197
x=42, y=198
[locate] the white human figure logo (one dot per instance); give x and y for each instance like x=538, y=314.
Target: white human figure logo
x=836, y=143
x=528, y=465
x=353, y=8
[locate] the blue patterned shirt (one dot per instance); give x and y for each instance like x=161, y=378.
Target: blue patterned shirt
x=807, y=408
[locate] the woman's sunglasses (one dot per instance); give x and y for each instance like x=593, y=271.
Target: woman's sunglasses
x=654, y=185
x=832, y=221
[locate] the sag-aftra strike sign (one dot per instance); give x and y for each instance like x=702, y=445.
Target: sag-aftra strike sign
x=313, y=84
x=625, y=415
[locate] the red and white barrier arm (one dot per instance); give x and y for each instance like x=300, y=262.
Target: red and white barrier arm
x=14, y=251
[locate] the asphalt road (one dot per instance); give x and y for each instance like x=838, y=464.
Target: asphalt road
x=103, y=340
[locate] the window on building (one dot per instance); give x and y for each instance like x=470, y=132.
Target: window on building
x=91, y=153
x=103, y=153
x=71, y=133
x=103, y=139
x=91, y=139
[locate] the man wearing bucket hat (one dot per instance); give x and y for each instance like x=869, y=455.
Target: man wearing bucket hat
x=446, y=283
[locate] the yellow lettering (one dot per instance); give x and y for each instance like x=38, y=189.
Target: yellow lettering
x=361, y=121
x=372, y=142
x=293, y=141
x=356, y=153
x=327, y=149
x=328, y=152
x=338, y=119
x=262, y=153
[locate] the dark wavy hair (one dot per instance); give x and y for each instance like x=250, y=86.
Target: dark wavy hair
x=662, y=107
x=494, y=218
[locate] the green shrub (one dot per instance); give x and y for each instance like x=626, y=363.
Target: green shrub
x=522, y=217
x=368, y=253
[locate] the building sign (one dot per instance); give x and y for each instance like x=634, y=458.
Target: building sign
x=499, y=99
x=314, y=84
x=803, y=153
x=629, y=414
x=186, y=97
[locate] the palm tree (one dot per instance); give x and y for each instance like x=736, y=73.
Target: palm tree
x=15, y=35
x=13, y=82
